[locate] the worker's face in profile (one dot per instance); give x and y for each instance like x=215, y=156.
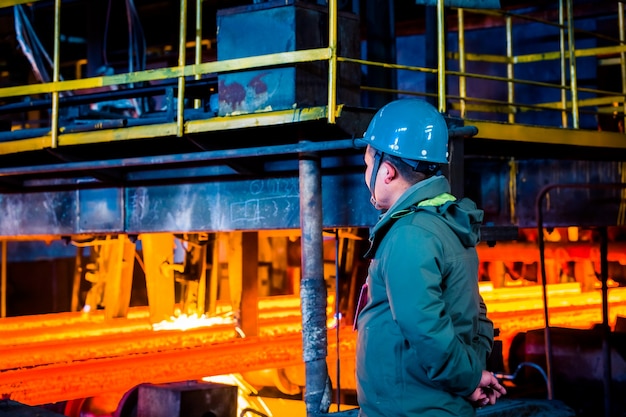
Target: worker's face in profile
x=369, y=159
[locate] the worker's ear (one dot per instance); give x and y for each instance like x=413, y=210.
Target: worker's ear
x=389, y=172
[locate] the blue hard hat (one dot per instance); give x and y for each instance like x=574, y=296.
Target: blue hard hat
x=410, y=129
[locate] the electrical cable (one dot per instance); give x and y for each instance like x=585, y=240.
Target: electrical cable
x=32, y=48
x=107, y=22
x=253, y=411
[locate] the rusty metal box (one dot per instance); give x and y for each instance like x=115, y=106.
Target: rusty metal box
x=284, y=26
x=187, y=399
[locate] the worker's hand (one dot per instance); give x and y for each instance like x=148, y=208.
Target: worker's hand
x=488, y=390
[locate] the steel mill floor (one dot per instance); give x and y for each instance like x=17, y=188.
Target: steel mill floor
x=504, y=408
x=282, y=407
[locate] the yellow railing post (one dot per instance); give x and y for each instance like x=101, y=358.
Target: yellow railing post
x=622, y=61
x=332, y=61
x=564, y=119
x=572, y=64
x=509, y=69
x=54, y=129
x=182, y=57
x=198, y=60
x=441, y=56
x=462, y=68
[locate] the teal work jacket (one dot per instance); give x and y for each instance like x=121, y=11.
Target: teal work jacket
x=423, y=334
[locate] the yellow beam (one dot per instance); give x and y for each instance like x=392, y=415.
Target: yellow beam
x=115, y=135
x=597, y=101
x=548, y=135
x=9, y=3
x=169, y=129
x=24, y=145
x=282, y=58
x=258, y=119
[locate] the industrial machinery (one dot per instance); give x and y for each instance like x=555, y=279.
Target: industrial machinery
x=182, y=200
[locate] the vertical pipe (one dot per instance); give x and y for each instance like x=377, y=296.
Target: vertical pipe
x=542, y=262
x=56, y=75
x=441, y=56
x=462, y=79
x=249, y=300
x=313, y=295
x=572, y=64
x=509, y=67
x=211, y=301
x=332, y=61
x=182, y=58
x=198, y=60
x=3, y=275
x=606, y=329
x=622, y=55
x=337, y=318
x=564, y=119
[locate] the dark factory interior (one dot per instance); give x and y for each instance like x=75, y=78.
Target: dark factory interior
x=181, y=196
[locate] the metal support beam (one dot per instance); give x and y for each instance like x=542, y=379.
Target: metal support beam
x=318, y=391
x=121, y=260
x=606, y=327
x=158, y=256
x=3, y=279
x=250, y=283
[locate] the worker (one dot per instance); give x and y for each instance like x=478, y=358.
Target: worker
x=423, y=333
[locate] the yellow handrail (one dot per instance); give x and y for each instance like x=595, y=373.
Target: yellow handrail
x=567, y=87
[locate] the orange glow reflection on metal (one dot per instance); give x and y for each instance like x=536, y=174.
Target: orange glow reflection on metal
x=85, y=349
x=519, y=308
x=193, y=321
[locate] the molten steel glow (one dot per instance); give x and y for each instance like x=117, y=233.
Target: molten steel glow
x=185, y=322
x=63, y=356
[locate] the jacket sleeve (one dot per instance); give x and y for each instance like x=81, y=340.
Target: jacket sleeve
x=484, y=342
x=413, y=265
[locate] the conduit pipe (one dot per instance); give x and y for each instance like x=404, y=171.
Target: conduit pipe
x=317, y=397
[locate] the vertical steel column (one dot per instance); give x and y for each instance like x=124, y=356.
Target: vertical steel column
x=332, y=61
x=248, y=307
x=456, y=167
x=197, y=102
x=622, y=56
x=313, y=295
x=572, y=64
x=56, y=75
x=119, y=281
x=546, y=310
x=158, y=258
x=441, y=60
x=606, y=328
x=564, y=120
x=462, y=66
x=510, y=73
x=182, y=60
x=3, y=278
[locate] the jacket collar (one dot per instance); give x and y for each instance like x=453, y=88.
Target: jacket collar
x=423, y=190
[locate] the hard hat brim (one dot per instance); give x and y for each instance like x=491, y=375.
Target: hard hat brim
x=360, y=143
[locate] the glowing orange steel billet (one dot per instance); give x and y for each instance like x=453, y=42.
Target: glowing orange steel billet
x=52, y=383
x=66, y=356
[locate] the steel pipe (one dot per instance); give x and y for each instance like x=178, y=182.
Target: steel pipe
x=313, y=287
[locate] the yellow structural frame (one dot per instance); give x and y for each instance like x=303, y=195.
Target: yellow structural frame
x=605, y=101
